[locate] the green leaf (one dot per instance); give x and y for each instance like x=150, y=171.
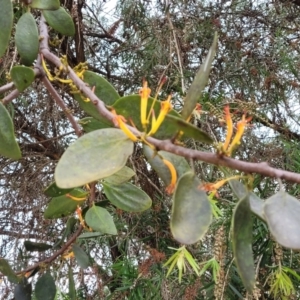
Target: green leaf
x=120, y=177
x=130, y=108
x=27, y=39
x=194, y=93
x=93, y=156
x=91, y=124
x=23, y=290
x=60, y=21
x=32, y=246
x=45, y=288
x=241, y=240
x=282, y=213
x=156, y=162
x=54, y=191
x=8, y=145
x=63, y=206
x=81, y=257
x=90, y=235
x=6, y=23
x=189, y=130
x=256, y=204
x=127, y=197
x=6, y=270
x=22, y=77
x=191, y=211
x=45, y=4
x=99, y=219
x=72, y=290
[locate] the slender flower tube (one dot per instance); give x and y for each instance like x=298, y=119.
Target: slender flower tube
x=170, y=188
x=166, y=106
x=229, y=124
x=144, y=93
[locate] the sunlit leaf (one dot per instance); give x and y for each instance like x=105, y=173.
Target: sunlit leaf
x=81, y=257
x=60, y=20
x=6, y=270
x=162, y=170
x=242, y=243
x=120, y=177
x=27, y=39
x=91, y=124
x=8, y=145
x=45, y=288
x=127, y=196
x=95, y=155
x=194, y=93
x=54, y=191
x=45, y=4
x=23, y=290
x=191, y=211
x=6, y=23
x=282, y=213
x=129, y=107
x=63, y=205
x=99, y=219
x=33, y=246
x=189, y=130
x=22, y=77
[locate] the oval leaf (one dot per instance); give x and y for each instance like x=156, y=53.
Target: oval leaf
x=130, y=108
x=6, y=23
x=32, y=246
x=22, y=77
x=95, y=155
x=45, y=4
x=45, y=288
x=156, y=162
x=282, y=213
x=189, y=130
x=99, y=219
x=54, y=191
x=242, y=243
x=120, y=177
x=23, y=290
x=191, y=211
x=81, y=257
x=60, y=20
x=6, y=270
x=27, y=39
x=127, y=197
x=91, y=124
x=63, y=206
x=8, y=145
x=194, y=93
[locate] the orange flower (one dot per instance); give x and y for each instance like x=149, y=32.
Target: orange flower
x=144, y=93
x=170, y=188
x=229, y=127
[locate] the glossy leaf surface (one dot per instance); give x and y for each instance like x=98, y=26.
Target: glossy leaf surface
x=6, y=270
x=45, y=288
x=60, y=20
x=129, y=107
x=45, y=4
x=194, y=93
x=127, y=197
x=63, y=205
x=91, y=124
x=282, y=213
x=95, y=155
x=23, y=290
x=8, y=145
x=189, y=130
x=99, y=219
x=6, y=23
x=54, y=191
x=22, y=77
x=27, y=39
x=33, y=246
x=82, y=258
x=120, y=177
x=191, y=210
x=242, y=243
x=162, y=170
